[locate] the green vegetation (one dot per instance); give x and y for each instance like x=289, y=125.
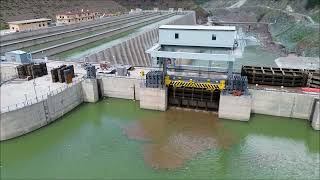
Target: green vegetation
x=297, y=37
x=200, y=2
x=315, y=16
x=4, y=26
x=312, y=4
x=77, y=50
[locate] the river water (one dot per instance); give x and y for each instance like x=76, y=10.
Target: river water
x=114, y=138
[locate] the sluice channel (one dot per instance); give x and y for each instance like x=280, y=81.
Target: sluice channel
x=194, y=98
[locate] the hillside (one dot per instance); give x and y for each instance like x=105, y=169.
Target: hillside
x=293, y=23
x=166, y=4
x=12, y=10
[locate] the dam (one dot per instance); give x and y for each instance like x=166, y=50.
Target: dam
x=141, y=108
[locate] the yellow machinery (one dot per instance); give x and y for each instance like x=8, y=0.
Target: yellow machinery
x=191, y=84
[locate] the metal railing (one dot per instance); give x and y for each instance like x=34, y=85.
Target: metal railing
x=39, y=98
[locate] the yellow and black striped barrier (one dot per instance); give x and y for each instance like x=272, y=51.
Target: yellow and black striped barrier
x=191, y=84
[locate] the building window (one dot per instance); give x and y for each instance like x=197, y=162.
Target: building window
x=214, y=37
x=69, y=20
x=43, y=25
x=176, y=35
x=39, y=25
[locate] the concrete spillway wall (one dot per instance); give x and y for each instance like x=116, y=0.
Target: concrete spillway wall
x=120, y=87
x=285, y=104
x=132, y=51
x=274, y=103
x=29, y=118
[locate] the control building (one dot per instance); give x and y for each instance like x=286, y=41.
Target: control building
x=197, y=43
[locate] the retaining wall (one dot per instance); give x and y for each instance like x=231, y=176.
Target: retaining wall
x=29, y=118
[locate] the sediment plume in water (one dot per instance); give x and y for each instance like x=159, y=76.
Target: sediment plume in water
x=175, y=136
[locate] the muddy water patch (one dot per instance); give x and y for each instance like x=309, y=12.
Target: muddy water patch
x=173, y=137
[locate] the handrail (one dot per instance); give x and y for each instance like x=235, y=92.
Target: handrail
x=39, y=98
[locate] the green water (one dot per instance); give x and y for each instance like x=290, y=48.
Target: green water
x=90, y=143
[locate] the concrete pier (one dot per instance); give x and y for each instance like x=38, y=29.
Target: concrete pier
x=315, y=115
x=153, y=98
x=90, y=90
x=235, y=107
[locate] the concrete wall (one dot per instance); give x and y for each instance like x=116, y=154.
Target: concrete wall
x=283, y=104
x=90, y=90
x=121, y=87
x=132, y=51
x=154, y=99
x=65, y=101
x=315, y=116
x=21, y=121
x=7, y=73
x=235, y=107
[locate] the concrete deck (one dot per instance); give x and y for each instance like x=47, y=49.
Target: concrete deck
x=18, y=91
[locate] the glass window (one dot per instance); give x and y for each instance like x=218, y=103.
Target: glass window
x=214, y=37
x=176, y=36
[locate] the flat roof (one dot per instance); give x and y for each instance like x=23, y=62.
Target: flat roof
x=75, y=12
x=199, y=27
x=29, y=21
x=17, y=52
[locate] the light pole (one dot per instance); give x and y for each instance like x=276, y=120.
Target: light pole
x=34, y=84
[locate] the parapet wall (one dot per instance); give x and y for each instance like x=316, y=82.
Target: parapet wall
x=29, y=118
x=132, y=51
